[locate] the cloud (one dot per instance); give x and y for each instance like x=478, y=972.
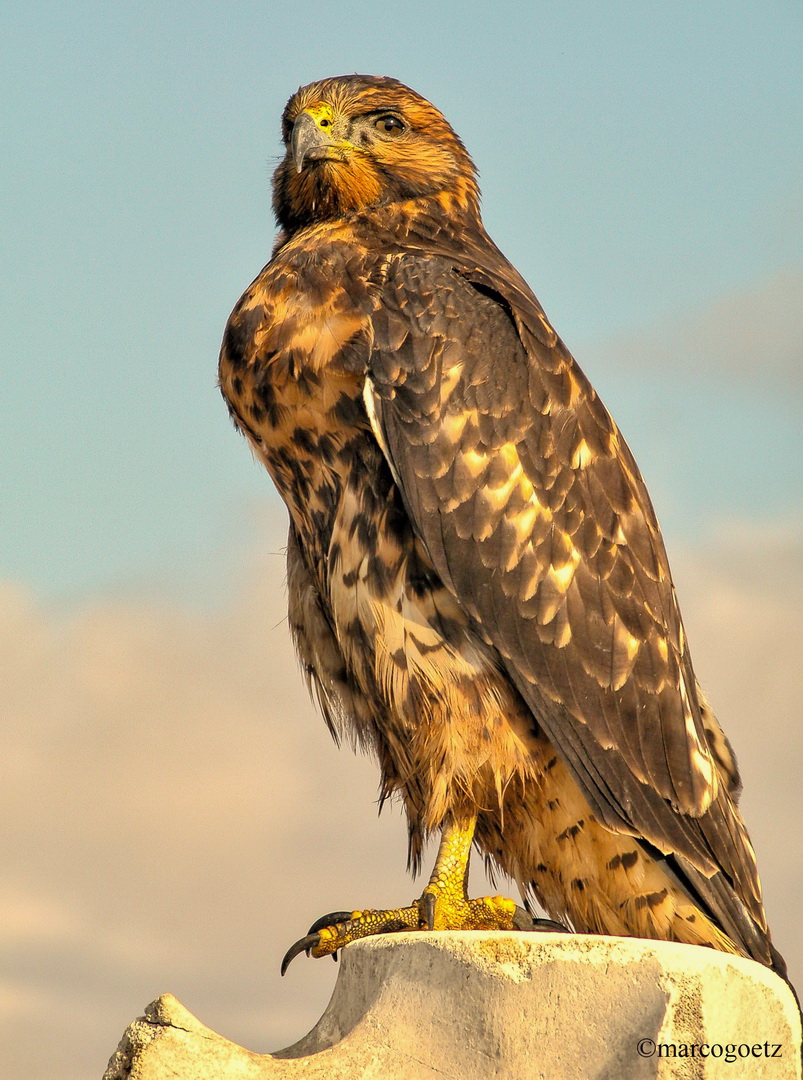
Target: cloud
x=709, y=402
x=741, y=598
x=753, y=335
x=175, y=814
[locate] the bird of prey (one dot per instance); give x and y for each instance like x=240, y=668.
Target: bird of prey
x=478, y=588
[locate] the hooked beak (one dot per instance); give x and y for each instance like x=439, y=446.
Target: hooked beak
x=307, y=141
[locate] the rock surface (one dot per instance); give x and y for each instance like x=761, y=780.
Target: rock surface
x=476, y=1006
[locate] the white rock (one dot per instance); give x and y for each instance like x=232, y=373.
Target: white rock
x=511, y=1006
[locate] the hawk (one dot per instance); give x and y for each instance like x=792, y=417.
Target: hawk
x=478, y=588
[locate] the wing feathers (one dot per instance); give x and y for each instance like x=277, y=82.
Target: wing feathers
x=534, y=513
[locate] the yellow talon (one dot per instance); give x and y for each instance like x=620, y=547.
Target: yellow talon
x=444, y=904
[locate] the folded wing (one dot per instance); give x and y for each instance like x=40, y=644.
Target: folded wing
x=534, y=513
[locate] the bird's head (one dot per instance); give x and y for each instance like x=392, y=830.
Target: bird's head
x=358, y=141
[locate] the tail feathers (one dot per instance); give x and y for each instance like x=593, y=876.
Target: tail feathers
x=718, y=899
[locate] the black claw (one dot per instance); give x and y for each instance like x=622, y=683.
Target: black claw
x=303, y=945
x=549, y=926
x=523, y=920
x=429, y=910
x=332, y=919
x=334, y=956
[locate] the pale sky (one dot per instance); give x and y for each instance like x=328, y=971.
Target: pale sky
x=171, y=807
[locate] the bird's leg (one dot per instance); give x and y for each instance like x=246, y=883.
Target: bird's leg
x=444, y=904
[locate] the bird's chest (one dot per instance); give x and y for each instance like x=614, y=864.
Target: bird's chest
x=292, y=370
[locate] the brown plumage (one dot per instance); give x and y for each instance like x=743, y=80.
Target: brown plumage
x=478, y=587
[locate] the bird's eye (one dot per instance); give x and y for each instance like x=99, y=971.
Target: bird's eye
x=390, y=125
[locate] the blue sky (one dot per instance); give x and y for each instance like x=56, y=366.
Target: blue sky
x=171, y=808
x=638, y=162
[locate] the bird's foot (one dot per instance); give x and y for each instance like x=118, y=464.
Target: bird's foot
x=333, y=931
x=435, y=910
x=444, y=905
